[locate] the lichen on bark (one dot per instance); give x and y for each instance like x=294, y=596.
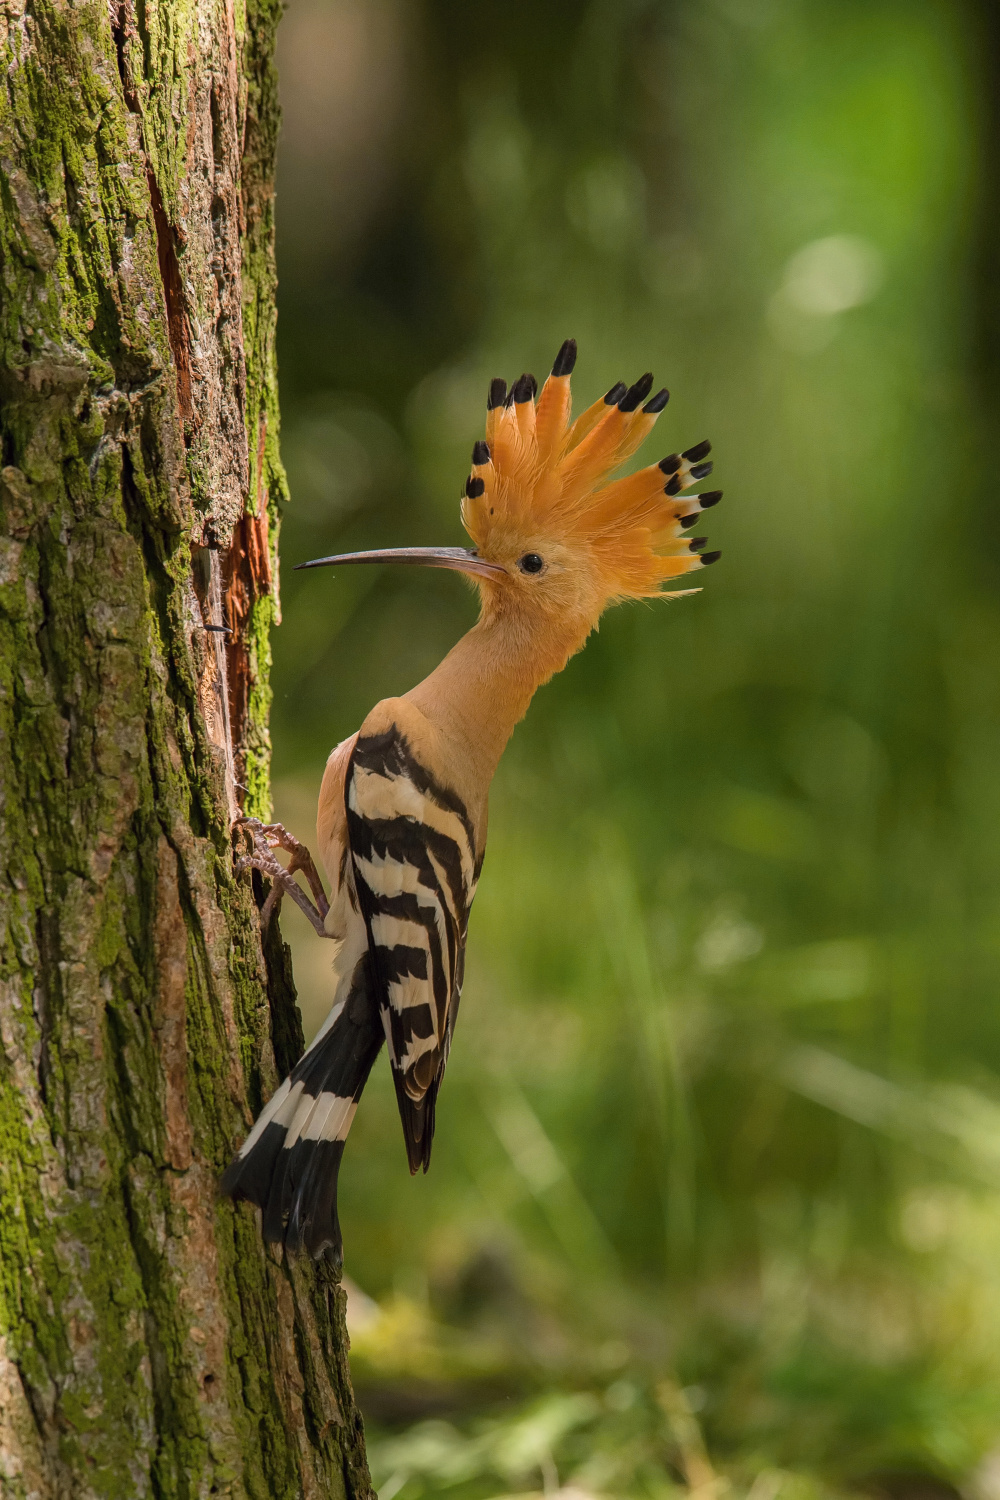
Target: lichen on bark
x=149, y=1344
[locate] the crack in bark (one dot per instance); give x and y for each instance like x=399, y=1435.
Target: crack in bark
x=123, y=29
x=246, y=577
x=173, y=293
x=213, y=687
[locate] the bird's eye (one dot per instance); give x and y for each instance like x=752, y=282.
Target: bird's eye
x=530, y=563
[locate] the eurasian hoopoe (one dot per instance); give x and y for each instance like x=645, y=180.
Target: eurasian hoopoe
x=403, y=805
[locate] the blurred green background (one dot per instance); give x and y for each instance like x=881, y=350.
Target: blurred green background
x=715, y=1199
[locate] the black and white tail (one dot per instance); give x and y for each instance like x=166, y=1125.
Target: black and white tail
x=289, y=1164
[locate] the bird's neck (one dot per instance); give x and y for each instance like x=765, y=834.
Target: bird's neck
x=483, y=687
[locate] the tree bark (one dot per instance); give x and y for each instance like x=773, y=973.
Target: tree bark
x=149, y=1345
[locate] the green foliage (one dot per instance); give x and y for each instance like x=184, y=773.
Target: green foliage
x=729, y=1046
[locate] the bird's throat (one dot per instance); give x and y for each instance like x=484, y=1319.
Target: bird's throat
x=483, y=687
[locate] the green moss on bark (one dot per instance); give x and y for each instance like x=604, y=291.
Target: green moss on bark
x=149, y=1345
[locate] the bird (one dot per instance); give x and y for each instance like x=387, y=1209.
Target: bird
x=402, y=815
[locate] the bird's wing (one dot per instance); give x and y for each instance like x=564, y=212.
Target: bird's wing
x=415, y=870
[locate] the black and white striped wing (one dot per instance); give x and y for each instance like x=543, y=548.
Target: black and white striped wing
x=415, y=870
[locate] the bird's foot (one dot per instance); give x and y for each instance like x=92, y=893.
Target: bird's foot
x=264, y=839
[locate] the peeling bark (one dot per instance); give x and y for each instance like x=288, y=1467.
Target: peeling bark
x=149, y=1344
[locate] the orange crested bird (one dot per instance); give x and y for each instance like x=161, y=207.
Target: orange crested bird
x=403, y=805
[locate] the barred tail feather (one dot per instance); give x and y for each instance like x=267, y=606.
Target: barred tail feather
x=418, y=1120
x=290, y=1162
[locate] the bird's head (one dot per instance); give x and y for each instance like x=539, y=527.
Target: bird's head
x=556, y=539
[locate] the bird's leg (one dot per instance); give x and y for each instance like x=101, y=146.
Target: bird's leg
x=279, y=837
x=268, y=836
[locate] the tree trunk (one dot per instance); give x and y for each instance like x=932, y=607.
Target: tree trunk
x=149, y=1345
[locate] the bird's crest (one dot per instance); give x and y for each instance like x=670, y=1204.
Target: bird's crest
x=539, y=471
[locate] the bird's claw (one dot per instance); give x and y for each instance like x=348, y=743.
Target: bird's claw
x=278, y=837
x=264, y=838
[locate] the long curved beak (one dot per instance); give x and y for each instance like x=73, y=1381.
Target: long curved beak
x=460, y=559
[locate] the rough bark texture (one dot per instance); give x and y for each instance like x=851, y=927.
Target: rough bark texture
x=148, y=1343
